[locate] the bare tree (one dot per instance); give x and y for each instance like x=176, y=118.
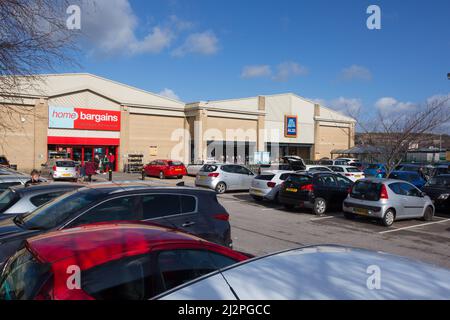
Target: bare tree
x=34, y=38
x=394, y=134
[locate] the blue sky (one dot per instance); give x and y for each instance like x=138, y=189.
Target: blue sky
x=217, y=49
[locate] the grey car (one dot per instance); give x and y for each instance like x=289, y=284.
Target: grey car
x=387, y=200
x=10, y=180
x=20, y=199
x=224, y=177
x=61, y=169
x=325, y=272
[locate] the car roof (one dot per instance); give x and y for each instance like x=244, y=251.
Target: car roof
x=112, y=187
x=267, y=172
x=405, y=172
x=321, y=272
x=98, y=243
x=47, y=186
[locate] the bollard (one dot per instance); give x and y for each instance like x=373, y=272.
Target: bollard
x=143, y=174
x=110, y=175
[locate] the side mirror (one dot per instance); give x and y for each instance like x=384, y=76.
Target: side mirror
x=422, y=194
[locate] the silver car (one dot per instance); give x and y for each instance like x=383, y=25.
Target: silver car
x=61, y=169
x=267, y=185
x=20, y=199
x=224, y=177
x=345, y=274
x=7, y=181
x=387, y=200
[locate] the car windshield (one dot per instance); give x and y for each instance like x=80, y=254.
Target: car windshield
x=22, y=277
x=366, y=190
x=55, y=212
x=300, y=179
x=208, y=168
x=265, y=177
x=175, y=163
x=404, y=176
x=439, y=181
x=7, y=199
x=65, y=164
x=353, y=169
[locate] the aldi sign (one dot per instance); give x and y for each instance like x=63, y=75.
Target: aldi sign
x=290, y=126
x=83, y=119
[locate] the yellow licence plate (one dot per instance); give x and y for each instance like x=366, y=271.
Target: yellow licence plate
x=361, y=211
x=257, y=192
x=66, y=175
x=291, y=189
x=357, y=176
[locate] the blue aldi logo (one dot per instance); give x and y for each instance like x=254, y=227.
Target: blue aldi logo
x=290, y=124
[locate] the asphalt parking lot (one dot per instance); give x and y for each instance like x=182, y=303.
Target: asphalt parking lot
x=260, y=228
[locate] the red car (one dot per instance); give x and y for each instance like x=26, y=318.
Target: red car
x=109, y=262
x=165, y=168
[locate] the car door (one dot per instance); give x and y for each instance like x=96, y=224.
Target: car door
x=245, y=177
x=326, y=187
x=414, y=202
x=343, y=188
x=230, y=177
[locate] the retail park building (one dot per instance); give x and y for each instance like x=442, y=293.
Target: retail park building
x=85, y=115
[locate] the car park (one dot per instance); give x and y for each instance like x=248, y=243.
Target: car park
x=191, y=210
x=377, y=170
x=267, y=185
x=60, y=169
x=20, y=199
x=224, y=177
x=317, y=191
x=387, y=200
x=412, y=177
x=293, y=275
x=165, y=169
x=116, y=262
x=438, y=189
x=350, y=172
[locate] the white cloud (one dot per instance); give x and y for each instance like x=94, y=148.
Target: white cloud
x=356, y=72
x=256, y=71
x=169, y=93
x=289, y=69
x=205, y=43
x=389, y=105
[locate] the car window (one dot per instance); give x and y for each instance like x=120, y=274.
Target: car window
x=208, y=168
x=397, y=189
x=326, y=180
x=351, y=169
x=241, y=170
x=129, y=278
x=123, y=208
x=343, y=182
x=160, y=205
x=180, y=266
x=228, y=169
x=284, y=176
x=7, y=199
x=188, y=204
x=299, y=179
x=265, y=177
x=175, y=163
x=439, y=181
x=337, y=169
x=410, y=190
x=6, y=185
x=366, y=190
x=40, y=199
x=65, y=164
x=340, y=163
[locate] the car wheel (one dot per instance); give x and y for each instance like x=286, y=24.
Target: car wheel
x=258, y=199
x=429, y=214
x=320, y=206
x=388, y=218
x=221, y=188
x=161, y=175
x=349, y=216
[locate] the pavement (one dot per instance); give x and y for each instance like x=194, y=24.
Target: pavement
x=261, y=228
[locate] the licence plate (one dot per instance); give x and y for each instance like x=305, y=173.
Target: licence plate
x=257, y=192
x=66, y=175
x=361, y=211
x=202, y=178
x=357, y=176
x=291, y=189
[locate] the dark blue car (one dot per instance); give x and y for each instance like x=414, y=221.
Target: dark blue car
x=410, y=176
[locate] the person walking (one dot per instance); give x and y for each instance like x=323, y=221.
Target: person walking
x=89, y=169
x=111, y=160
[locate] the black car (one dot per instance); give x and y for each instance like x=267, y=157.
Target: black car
x=317, y=190
x=188, y=209
x=438, y=189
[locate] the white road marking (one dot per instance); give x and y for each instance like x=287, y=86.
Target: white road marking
x=416, y=226
x=268, y=209
x=229, y=201
x=321, y=218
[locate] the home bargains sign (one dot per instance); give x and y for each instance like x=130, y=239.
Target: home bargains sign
x=83, y=119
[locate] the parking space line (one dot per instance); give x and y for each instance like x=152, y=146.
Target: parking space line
x=416, y=226
x=268, y=209
x=321, y=218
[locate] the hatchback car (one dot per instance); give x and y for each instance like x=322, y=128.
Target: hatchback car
x=165, y=169
x=411, y=176
x=293, y=275
x=350, y=172
x=224, y=177
x=188, y=209
x=4, y=161
x=317, y=191
x=387, y=200
x=61, y=169
x=114, y=261
x=267, y=185
x=377, y=170
x=20, y=199
x=438, y=189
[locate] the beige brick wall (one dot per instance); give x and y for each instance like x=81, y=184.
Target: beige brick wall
x=330, y=138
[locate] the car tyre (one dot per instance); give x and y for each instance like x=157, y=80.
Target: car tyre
x=320, y=206
x=161, y=175
x=221, y=188
x=388, y=218
x=428, y=215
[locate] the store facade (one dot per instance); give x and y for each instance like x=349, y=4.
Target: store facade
x=85, y=117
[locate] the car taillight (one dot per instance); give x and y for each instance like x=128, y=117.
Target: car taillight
x=308, y=187
x=378, y=171
x=271, y=184
x=213, y=175
x=54, y=168
x=348, y=174
x=222, y=216
x=383, y=192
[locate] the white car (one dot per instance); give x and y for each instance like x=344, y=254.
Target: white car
x=267, y=185
x=349, y=172
x=316, y=168
x=324, y=272
x=194, y=168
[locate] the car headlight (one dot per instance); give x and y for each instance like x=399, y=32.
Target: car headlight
x=444, y=196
